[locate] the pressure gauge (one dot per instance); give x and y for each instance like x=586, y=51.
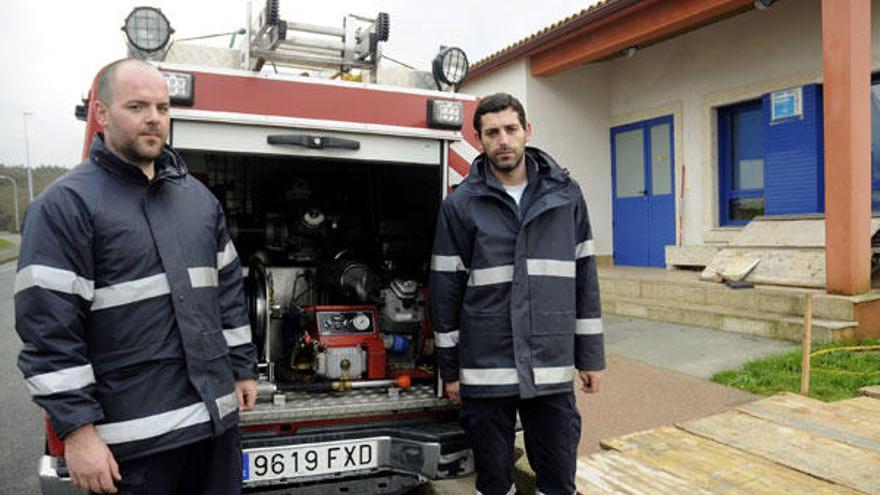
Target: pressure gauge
x=361, y=322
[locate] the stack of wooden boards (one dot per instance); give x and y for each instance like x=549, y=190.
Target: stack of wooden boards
x=783, y=444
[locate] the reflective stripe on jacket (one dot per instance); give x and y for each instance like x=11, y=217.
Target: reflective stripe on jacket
x=129, y=301
x=514, y=290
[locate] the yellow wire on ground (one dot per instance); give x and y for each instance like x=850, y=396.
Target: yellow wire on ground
x=834, y=371
x=852, y=348
x=858, y=348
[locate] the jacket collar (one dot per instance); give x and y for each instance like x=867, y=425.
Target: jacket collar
x=542, y=171
x=169, y=165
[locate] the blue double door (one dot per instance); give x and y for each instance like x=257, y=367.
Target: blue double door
x=642, y=157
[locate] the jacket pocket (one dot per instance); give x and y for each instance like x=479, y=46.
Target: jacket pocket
x=133, y=356
x=486, y=341
x=554, y=322
x=485, y=323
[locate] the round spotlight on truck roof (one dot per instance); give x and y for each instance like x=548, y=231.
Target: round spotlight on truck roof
x=450, y=66
x=147, y=29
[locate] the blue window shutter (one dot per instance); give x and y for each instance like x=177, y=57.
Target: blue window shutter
x=793, y=167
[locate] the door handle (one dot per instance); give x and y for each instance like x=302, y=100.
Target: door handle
x=314, y=142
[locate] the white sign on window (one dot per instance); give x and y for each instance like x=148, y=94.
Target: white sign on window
x=786, y=104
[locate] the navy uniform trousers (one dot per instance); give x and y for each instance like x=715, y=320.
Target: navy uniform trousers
x=207, y=467
x=551, y=428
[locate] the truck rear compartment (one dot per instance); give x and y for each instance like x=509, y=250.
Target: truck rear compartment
x=340, y=250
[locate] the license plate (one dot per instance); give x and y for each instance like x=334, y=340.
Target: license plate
x=270, y=463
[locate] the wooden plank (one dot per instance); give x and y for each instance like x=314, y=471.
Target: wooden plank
x=871, y=391
x=865, y=408
x=810, y=453
x=714, y=467
x=615, y=473
x=832, y=420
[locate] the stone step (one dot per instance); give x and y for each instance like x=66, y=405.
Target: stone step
x=727, y=318
x=773, y=300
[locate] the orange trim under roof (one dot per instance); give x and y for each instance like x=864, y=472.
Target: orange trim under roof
x=606, y=29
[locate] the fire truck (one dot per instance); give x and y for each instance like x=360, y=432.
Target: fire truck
x=330, y=170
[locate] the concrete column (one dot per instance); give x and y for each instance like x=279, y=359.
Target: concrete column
x=846, y=59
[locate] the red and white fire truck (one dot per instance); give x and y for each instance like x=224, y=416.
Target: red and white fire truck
x=331, y=188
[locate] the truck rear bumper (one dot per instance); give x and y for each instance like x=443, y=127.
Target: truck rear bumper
x=418, y=450
x=54, y=479
x=411, y=453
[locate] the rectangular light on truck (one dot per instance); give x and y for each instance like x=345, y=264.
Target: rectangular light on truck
x=180, y=87
x=445, y=114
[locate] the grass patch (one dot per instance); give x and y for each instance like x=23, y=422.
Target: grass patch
x=4, y=244
x=834, y=376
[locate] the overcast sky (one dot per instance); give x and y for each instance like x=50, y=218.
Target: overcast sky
x=53, y=48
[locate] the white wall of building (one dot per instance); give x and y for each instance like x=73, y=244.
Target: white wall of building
x=509, y=79
x=569, y=115
x=689, y=77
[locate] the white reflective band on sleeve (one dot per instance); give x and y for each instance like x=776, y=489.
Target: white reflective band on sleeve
x=488, y=376
x=227, y=404
x=55, y=279
x=129, y=292
x=585, y=249
x=227, y=256
x=61, y=381
x=588, y=326
x=446, y=340
x=153, y=426
x=550, y=268
x=203, y=276
x=237, y=336
x=489, y=276
x=546, y=376
x=447, y=264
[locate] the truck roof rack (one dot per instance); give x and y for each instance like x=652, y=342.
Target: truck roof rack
x=311, y=47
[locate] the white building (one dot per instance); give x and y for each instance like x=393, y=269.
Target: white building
x=714, y=132
x=673, y=137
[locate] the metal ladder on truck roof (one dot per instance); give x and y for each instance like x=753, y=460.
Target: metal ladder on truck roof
x=311, y=47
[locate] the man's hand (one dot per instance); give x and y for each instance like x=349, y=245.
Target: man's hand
x=89, y=461
x=591, y=380
x=247, y=394
x=452, y=392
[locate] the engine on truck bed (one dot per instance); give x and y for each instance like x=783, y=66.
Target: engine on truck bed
x=336, y=270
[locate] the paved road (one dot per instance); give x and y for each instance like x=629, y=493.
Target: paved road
x=20, y=420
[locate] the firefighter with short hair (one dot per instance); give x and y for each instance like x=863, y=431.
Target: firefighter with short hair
x=130, y=304
x=515, y=303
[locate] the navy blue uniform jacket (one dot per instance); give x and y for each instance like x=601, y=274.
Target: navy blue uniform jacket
x=129, y=301
x=514, y=290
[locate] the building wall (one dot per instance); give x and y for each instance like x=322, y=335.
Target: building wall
x=689, y=77
x=510, y=79
x=569, y=115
